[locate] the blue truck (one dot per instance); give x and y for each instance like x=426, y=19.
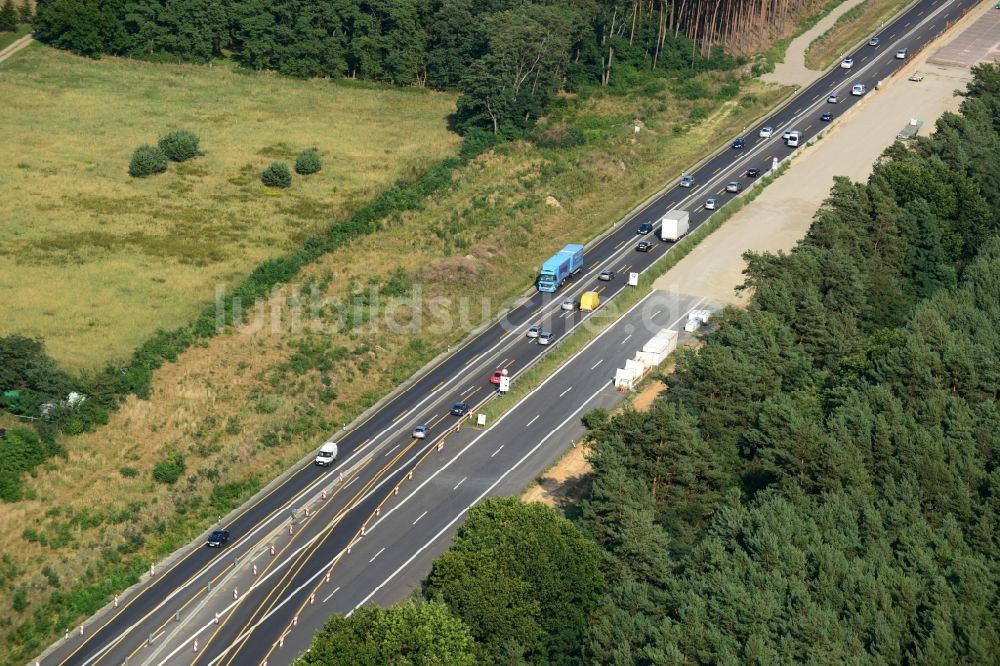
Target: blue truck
x=567, y=261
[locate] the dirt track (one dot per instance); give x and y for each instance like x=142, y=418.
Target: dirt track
x=15, y=47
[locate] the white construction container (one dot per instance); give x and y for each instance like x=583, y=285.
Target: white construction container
x=624, y=381
x=649, y=359
x=674, y=224
x=664, y=342
x=696, y=318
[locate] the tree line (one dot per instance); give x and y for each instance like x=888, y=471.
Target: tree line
x=820, y=482
x=507, y=57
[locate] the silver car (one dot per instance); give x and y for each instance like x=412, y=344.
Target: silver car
x=545, y=337
x=420, y=432
x=534, y=331
x=766, y=132
x=568, y=304
x=710, y=203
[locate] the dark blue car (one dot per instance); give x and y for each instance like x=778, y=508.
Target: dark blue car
x=739, y=144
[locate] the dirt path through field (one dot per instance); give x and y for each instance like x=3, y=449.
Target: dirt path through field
x=794, y=71
x=16, y=46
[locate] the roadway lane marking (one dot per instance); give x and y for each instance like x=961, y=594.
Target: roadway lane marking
x=566, y=391
x=331, y=594
x=493, y=455
x=619, y=245
x=920, y=13
x=472, y=360
x=817, y=97
x=594, y=367
x=531, y=421
x=808, y=127
x=438, y=387
x=717, y=171
x=376, y=555
x=419, y=517
x=657, y=312
x=401, y=415
x=460, y=483
x=390, y=451
x=500, y=364
x=907, y=24
x=626, y=338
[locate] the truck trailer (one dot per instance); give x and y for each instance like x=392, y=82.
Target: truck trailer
x=674, y=224
x=567, y=261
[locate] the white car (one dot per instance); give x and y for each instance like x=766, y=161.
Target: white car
x=858, y=89
x=569, y=304
x=534, y=331
x=766, y=132
x=545, y=337
x=901, y=54
x=834, y=98
x=420, y=432
x=710, y=203
x=847, y=63
x=788, y=134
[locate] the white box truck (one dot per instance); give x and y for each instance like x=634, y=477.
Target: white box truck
x=673, y=225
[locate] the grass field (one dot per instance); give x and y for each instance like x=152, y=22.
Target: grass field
x=94, y=261
x=245, y=405
x=853, y=26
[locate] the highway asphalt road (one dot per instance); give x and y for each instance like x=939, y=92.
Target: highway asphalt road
x=123, y=632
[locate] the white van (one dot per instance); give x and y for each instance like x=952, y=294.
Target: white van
x=793, y=139
x=327, y=454
x=858, y=89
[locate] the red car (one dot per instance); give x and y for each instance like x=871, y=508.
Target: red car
x=495, y=379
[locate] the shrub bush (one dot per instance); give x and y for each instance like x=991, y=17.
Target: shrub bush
x=180, y=145
x=277, y=175
x=308, y=162
x=169, y=469
x=146, y=161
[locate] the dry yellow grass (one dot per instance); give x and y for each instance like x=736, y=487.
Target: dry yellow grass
x=481, y=239
x=94, y=261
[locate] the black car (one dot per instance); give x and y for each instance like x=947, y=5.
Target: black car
x=753, y=173
x=644, y=246
x=826, y=117
x=460, y=409
x=739, y=144
x=645, y=228
x=217, y=539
